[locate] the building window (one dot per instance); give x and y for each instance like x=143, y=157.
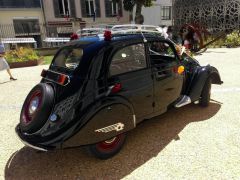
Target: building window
x=166, y=13
x=64, y=8
x=90, y=8
x=26, y=27
x=113, y=8
x=20, y=4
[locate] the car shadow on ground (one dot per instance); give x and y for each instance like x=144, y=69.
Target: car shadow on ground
x=143, y=143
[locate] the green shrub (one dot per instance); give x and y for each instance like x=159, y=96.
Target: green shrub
x=21, y=54
x=233, y=39
x=230, y=40
x=47, y=59
x=217, y=44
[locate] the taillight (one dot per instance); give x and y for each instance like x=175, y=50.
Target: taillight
x=62, y=79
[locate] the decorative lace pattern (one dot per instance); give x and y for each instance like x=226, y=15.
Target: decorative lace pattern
x=216, y=15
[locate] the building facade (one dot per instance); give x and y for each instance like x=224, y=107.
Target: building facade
x=84, y=13
x=216, y=15
x=56, y=18
x=160, y=14
x=21, y=18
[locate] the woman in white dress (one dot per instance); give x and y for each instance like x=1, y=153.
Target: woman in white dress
x=3, y=63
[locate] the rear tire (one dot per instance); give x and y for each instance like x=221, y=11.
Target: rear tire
x=109, y=148
x=206, y=93
x=32, y=119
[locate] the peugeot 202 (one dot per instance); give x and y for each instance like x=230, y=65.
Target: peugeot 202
x=99, y=88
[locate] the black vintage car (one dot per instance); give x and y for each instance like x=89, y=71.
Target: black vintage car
x=98, y=88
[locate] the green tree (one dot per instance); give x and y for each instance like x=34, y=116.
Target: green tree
x=129, y=5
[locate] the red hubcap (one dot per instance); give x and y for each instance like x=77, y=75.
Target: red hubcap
x=109, y=145
x=32, y=106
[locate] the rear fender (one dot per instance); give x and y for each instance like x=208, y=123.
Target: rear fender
x=111, y=119
x=199, y=78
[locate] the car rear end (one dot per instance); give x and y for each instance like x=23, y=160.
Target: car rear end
x=49, y=109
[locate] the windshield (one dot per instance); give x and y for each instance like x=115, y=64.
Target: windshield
x=68, y=57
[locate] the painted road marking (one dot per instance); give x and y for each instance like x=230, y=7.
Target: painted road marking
x=226, y=90
x=14, y=107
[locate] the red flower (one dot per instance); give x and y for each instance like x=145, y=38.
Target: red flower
x=73, y=36
x=107, y=35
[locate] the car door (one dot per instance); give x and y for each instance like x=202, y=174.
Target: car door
x=131, y=71
x=167, y=81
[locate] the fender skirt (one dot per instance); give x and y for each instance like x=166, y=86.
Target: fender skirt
x=201, y=74
x=109, y=121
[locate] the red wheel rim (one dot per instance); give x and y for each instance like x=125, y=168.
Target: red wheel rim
x=110, y=145
x=27, y=116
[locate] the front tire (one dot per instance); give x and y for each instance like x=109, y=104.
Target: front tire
x=109, y=148
x=206, y=93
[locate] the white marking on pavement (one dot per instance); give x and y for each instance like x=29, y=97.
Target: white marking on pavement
x=226, y=90
x=15, y=107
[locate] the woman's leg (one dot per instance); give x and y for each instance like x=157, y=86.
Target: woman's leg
x=10, y=74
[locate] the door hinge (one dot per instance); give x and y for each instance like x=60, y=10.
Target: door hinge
x=152, y=76
x=153, y=104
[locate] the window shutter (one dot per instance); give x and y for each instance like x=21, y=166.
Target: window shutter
x=56, y=8
x=97, y=6
x=72, y=8
x=108, y=8
x=170, y=12
x=120, y=13
x=83, y=8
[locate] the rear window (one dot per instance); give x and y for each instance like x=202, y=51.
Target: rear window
x=68, y=58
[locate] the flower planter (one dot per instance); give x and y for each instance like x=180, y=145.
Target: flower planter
x=25, y=63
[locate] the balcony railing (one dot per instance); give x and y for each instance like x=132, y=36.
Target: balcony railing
x=20, y=4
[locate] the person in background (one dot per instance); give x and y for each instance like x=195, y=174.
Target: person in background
x=188, y=41
x=3, y=63
x=170, y=32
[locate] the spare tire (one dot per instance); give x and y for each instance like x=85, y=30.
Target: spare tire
x=37, y=108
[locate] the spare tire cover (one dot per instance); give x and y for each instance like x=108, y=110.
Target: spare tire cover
x=37, y=108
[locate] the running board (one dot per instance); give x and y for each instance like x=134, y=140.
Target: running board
x=185, y=100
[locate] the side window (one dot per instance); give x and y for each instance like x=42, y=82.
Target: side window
x=127, y=59
x=161, y=48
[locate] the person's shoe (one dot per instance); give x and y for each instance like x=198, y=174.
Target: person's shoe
x=13, y=79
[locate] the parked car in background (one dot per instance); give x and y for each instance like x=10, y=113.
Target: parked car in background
x=127, y=28
x=90, y=32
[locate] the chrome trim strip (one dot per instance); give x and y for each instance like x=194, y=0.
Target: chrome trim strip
x=134, y=120
x=115, y=127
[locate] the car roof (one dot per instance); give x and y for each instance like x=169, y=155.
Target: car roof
x=99, y=39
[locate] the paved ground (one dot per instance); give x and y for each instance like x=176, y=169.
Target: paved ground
x=188, y=143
